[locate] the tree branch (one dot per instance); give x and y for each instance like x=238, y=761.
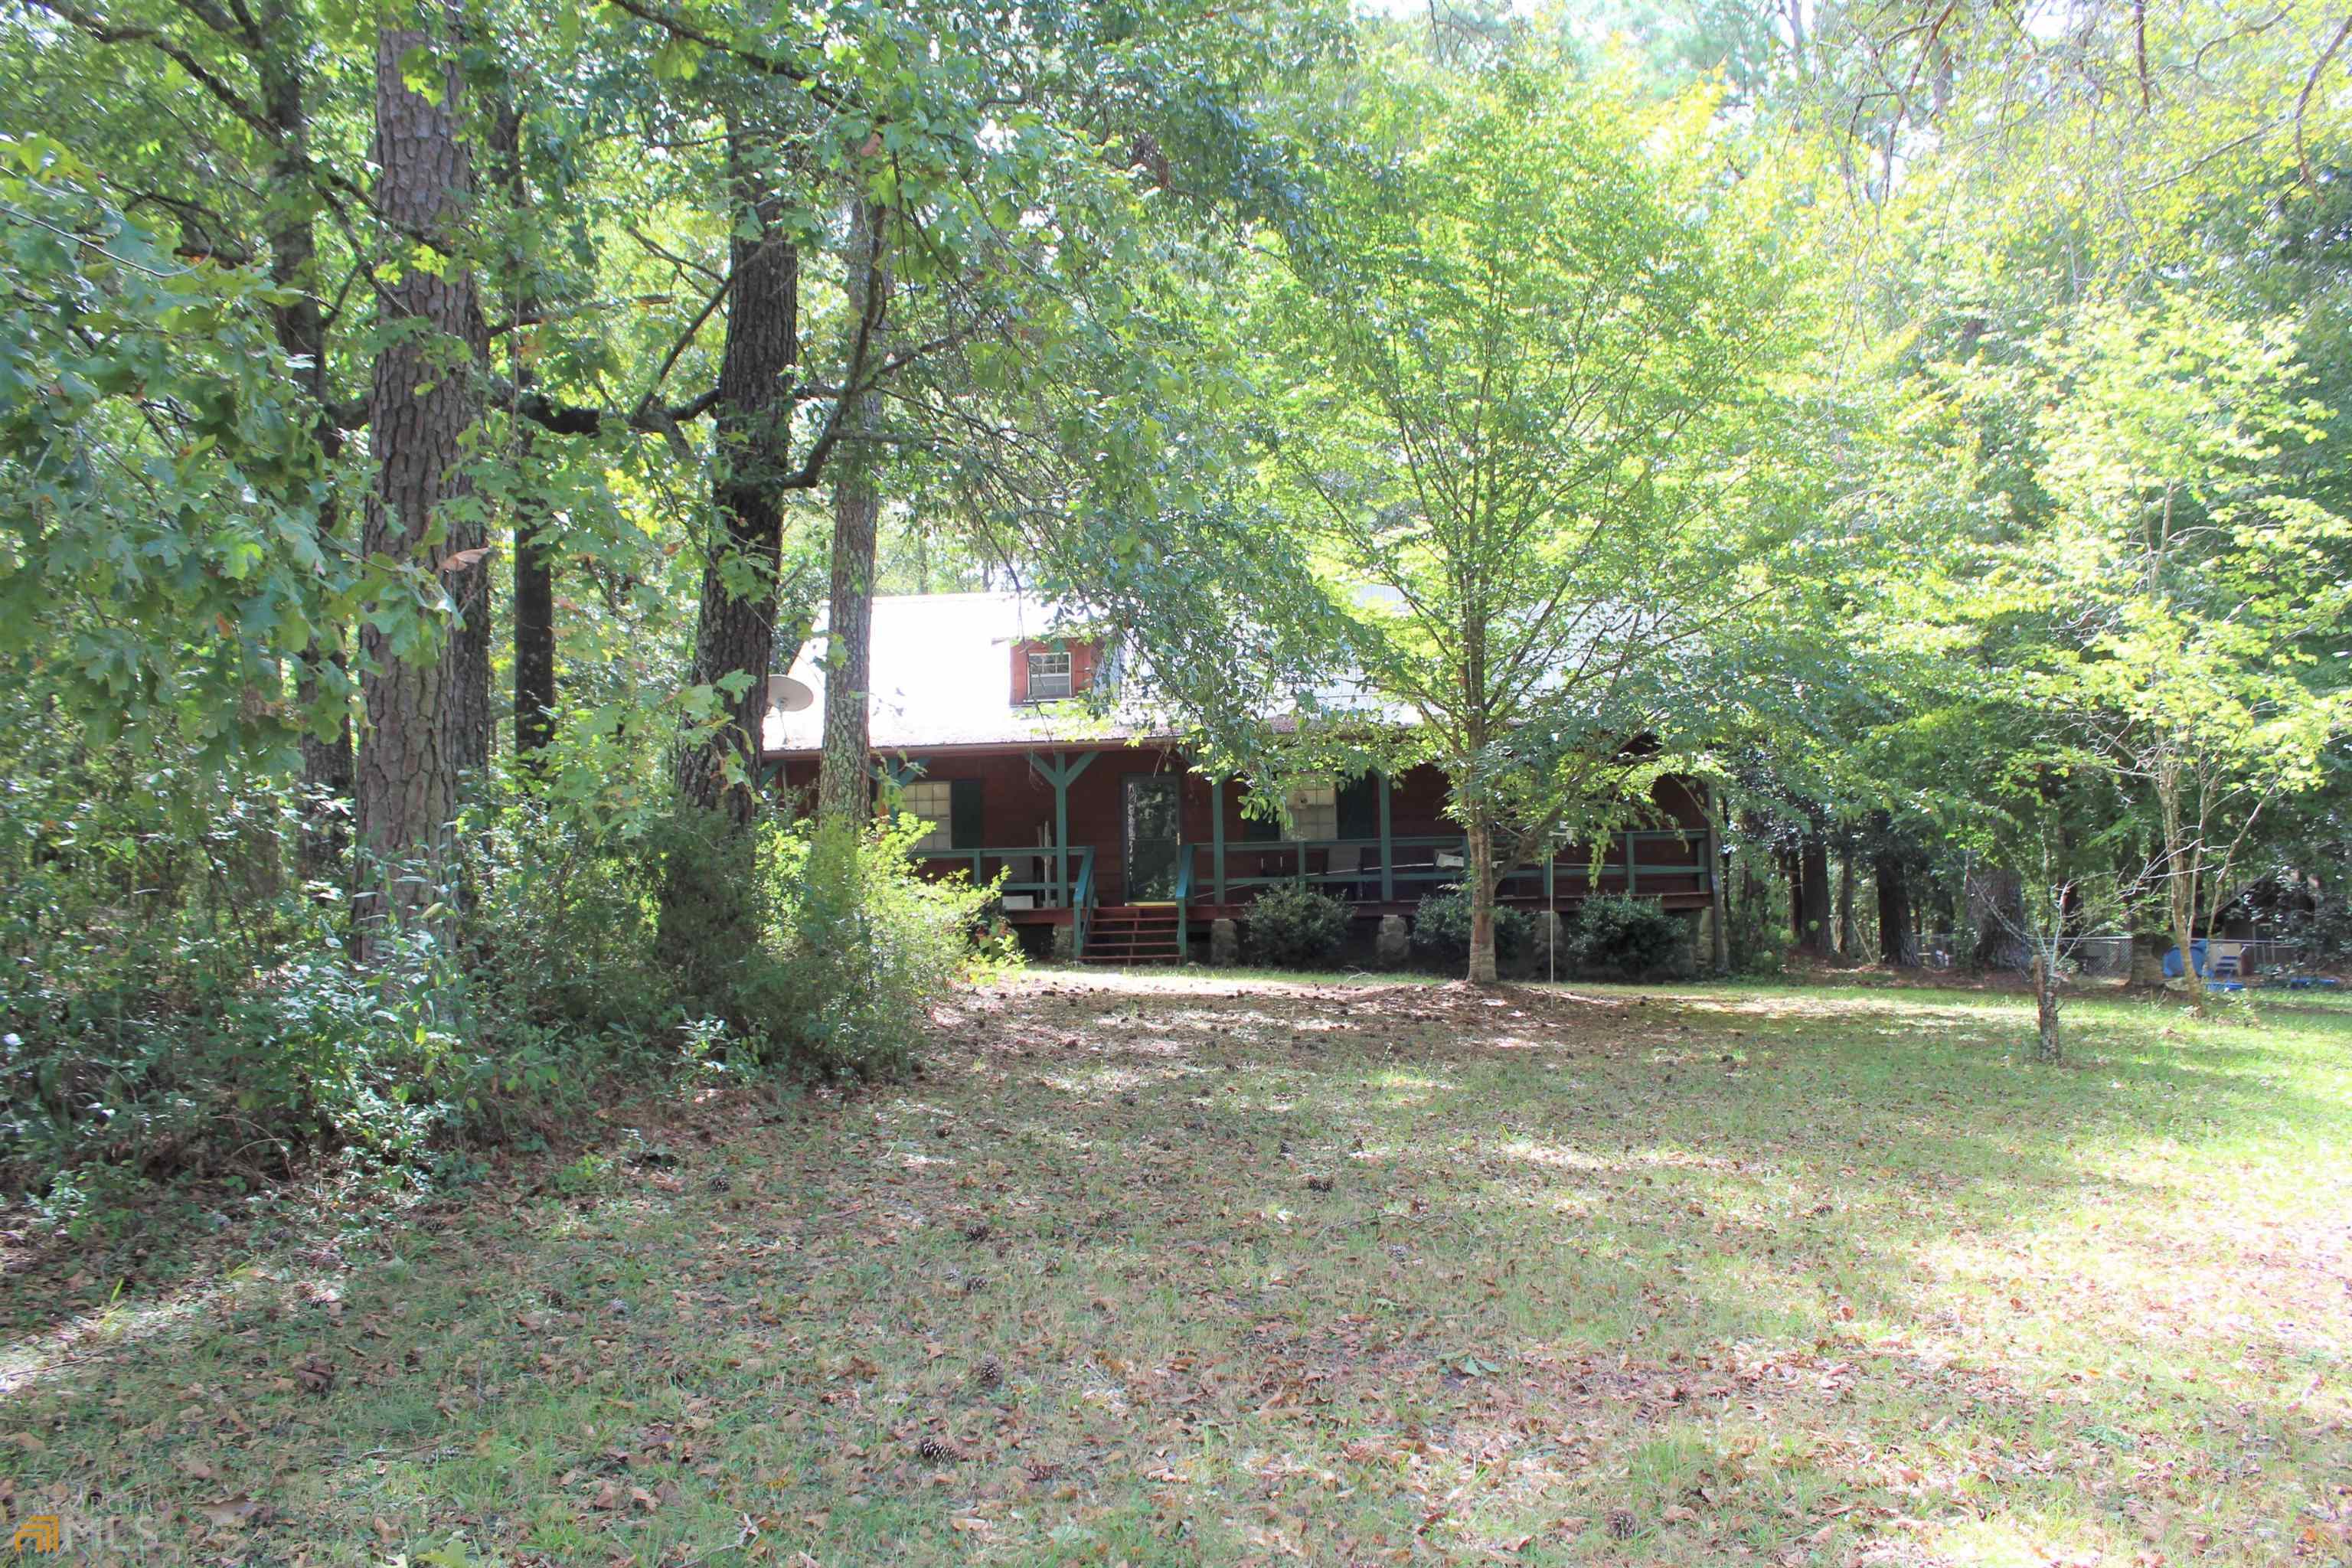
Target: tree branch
x=98, y=27
x=560, y=418
x=2302, y=101
x=765, y=64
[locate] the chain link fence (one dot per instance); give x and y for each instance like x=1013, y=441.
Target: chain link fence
x=2109, y=957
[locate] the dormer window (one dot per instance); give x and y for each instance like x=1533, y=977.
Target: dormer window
x=1049, y=676
x=1052, y=671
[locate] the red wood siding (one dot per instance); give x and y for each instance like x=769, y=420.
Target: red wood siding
x=1017, y=810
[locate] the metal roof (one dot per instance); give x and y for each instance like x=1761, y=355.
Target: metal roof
x=943, y=676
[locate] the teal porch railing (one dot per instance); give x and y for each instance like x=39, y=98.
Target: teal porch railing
x=1354, y=868
x=1029, y=873
x=1028, y=869
x=1082, y=903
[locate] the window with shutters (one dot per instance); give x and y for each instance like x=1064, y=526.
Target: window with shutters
x=934, y=801
x=1315, y=812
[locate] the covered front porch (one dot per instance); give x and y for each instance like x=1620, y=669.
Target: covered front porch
x=1134, y=853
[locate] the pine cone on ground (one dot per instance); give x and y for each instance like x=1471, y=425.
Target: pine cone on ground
x=938, y=1450
x=988, y=1373
x=1623, y=1525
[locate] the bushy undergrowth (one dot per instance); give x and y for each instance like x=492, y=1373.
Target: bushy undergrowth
x=1441, y=928
x=1756, y=936
x=1293, y=925
x=1627, y=938
x=865, y=947
x=166, y=1009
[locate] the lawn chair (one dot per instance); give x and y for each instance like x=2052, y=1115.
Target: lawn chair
x=1340, y=864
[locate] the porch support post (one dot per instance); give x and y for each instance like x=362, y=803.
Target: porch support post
x=1632, y=880
x=1217, y=835
x=1387, y=848
x=1060, y=773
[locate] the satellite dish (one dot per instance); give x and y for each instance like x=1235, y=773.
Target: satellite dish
x=786, y=695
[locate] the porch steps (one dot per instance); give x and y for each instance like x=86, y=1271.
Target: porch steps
x=1135, y=934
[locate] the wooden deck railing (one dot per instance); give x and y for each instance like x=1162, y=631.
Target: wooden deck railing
x=1352, y=868
x=1416, y=865
x=1035, y=865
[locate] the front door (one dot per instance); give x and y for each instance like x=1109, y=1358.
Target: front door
x=1154, y=837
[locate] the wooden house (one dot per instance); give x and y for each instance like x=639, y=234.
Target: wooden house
x=1103, y=829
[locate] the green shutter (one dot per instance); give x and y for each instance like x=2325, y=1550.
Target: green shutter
x=965, y=829
x=1360, y=808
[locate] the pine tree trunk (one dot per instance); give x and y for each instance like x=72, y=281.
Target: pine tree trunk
x=466, y=577
x=841, y=791
x=419, y=412
x=1898, y=941
x=735, y=632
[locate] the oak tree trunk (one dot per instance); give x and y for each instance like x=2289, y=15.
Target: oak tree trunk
x=841, y=791
x=1479, y=863
x=2148, y=942
x=534, y=544
x=1792, y=875
x=2183, y=891
x=2046, y=1011
x=1849, y=938
x=1718, y=911
x=260, y=856
x=1898, y=941
x=2184, y=863
x=421, y=405
x=736, y=627
x=1996, y=911
x=301, y=331
x=1813, y=912
x=534, y=629
x=709, y=922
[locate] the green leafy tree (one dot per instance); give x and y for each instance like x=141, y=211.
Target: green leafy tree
x=2196, y=586
x=1522, y=357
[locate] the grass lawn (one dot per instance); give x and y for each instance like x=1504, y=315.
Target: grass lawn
x=1176, y=1268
